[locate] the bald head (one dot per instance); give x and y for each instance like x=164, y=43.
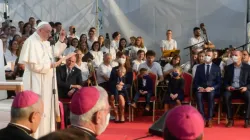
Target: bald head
x=71, y=62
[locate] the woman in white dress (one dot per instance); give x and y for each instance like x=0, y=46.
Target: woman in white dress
x=115, y=42
x=200, y=60
x=97, y=54
x=139, y=45
x=72, y=47
x=83, y=66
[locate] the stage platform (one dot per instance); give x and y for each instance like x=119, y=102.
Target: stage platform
x=139, y=128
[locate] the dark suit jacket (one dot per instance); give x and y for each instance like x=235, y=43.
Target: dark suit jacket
x=214, y=79
x=244, y=76
x=12, y=132
x=114, y=79
x=75, y=78
x=149, y=84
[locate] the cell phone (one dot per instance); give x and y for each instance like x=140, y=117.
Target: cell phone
x=236, y=88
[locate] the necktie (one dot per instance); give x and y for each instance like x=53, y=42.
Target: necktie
x=207, y=72
x=69, y=71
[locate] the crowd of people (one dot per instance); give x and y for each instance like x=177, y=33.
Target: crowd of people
x=119, y=65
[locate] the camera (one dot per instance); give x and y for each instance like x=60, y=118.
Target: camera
x=107, y=35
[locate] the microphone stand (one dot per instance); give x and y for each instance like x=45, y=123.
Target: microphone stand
x=242, y=46
x=190, y=50
x=53, y=99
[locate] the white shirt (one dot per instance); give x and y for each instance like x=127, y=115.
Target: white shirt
x=186, y=66
x=73, y=36
x=134, y=51
x=69, y=50
x=84, y=69
x=10, y=60
x=156, y=68
x=210, y=65
x=114, y=64
x=194, y=40
x=90, y=43
x=98, y=57
x=114, y=44
x=136, y=64
x=111, y=51
x=169, y=45
x=167, y=67
x=103, y=70
x=194, y=69
x=9, y=56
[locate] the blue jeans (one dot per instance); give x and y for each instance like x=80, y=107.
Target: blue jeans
x=147, y=97
x=210, y=99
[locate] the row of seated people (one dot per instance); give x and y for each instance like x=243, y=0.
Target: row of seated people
x=117, y=79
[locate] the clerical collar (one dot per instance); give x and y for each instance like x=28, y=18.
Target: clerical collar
x=21, y=127
x=84, y=128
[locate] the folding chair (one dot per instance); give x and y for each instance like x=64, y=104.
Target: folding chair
x=153, y=98
x=187, y=88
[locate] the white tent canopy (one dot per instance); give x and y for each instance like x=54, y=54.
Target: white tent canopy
x=225, y=20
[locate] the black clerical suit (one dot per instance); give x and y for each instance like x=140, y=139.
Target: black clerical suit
x=15, y=132
x=65, y=79
x=88, y=134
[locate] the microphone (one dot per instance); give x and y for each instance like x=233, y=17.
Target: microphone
x=74, y=30
x=52, y=41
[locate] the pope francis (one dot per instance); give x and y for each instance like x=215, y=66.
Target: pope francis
x=38, y=57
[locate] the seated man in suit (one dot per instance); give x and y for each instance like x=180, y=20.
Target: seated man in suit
x=207, y=81
x=69, y=78
x=237, y=84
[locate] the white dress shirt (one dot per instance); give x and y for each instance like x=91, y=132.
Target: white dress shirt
x=169, y=44
x=73, y=36
x=98, y=57
x=84, y=69
x=210, y=65
x=103, y=70
x=194, y=40
x=167, y=67
x=136, y=64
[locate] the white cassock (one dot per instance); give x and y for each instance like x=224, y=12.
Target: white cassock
x=37, y=56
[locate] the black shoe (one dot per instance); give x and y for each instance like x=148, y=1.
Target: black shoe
x=230, y=123
x=247, y=124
